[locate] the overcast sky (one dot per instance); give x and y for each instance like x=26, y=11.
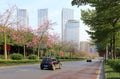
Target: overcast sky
x=54, y=12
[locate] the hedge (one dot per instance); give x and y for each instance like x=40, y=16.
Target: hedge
x=12, y=62
x=115, y=64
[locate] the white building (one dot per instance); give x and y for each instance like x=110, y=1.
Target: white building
x=87, y=47
x=72, y=32
x=42, y=16
x=84, y=46
x=23, y=17
x=67, y=14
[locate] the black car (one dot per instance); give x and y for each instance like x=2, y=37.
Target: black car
x=89, y=60
x=50, y=63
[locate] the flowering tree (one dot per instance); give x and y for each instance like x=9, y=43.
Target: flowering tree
x=22, y=36
x=51, y=41
x=7, y=19
x=52, y=38
x=1, y=34
x=40, y=34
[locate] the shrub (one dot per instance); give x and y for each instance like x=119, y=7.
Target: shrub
x=1, y=57
x=58, y=57
x=16, y=56
x=17, y=62
x=115, y=64
x=32, y=57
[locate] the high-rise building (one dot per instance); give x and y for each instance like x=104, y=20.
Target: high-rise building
x=84, y=46
x=23, y=17
x=87, y=47
x=72, y=32
x=67, y=14
x=42, y=16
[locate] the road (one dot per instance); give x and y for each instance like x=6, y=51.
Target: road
x=70, y=70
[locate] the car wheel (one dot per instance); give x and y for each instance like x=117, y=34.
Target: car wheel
x=53, y=67
x=60, y=66
x=41, y=68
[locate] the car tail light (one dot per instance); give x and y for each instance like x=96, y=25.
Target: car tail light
x=51, y=62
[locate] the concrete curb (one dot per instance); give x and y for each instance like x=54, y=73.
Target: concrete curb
x=101, y=73
x=98, y=76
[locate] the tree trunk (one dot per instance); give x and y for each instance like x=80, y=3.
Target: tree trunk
x=38, y=53
x=110, y=49
x=5, y=46
x=114, y=45
x=18, y=49
x=24, y=52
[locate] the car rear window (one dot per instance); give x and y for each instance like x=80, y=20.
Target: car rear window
x=46, y=60
x=53, y=59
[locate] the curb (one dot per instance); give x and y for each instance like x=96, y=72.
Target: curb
x=101, y=73
x=100, y=69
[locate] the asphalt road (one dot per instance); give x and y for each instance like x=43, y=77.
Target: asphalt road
x=70, y=70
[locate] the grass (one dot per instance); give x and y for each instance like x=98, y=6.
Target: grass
x=110, y=73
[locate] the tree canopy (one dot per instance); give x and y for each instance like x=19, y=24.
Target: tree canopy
x=104, y=21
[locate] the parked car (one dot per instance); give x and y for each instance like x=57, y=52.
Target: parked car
x=50, y=63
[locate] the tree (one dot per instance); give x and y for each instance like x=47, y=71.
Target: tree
x=22, y=37
x=7, y=19
x=51, y=43
x=39, y=34
x=107, y=14
x=100, y=34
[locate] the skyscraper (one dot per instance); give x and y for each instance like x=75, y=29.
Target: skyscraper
x=87, y=47
x=23, y=17
x=84, y=46
x=72, y=32
x=42, y=16
x=67, y=14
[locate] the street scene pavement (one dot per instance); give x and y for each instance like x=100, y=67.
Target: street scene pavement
x=70, y=70
x=90, y=71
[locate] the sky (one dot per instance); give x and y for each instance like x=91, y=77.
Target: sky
x=54, y=12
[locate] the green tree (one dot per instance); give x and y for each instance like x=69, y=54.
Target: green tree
x=106, y=15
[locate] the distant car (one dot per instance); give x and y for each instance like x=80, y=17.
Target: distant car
x=89, y=60
x=50, y=63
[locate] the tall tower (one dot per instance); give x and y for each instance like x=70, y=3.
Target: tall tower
x=67, y=14
x=42, y=16
x=72, y=32
x=23, y=17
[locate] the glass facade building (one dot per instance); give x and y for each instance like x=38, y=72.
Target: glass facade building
x=42, y=16
x=67, y=14
x=72, y=32
x=23, y=17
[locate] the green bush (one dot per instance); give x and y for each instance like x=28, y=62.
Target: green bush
x=32, y=57
x=1, y=57
x=115, y=64
x=58, y=57
x=4, y=62
x=16, y=56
